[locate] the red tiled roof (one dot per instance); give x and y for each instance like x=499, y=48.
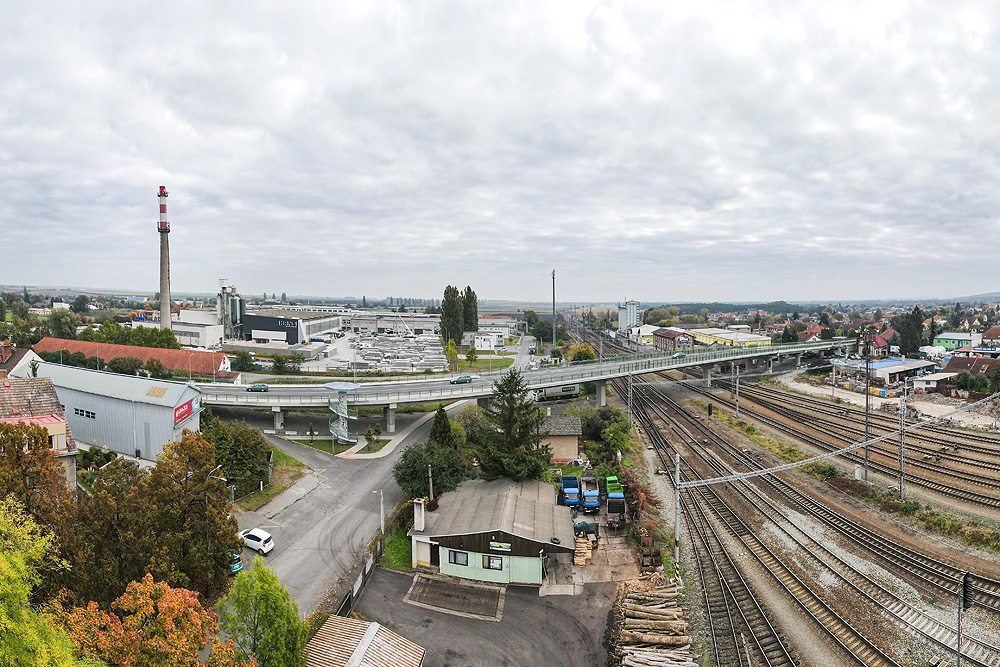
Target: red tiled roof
x=39, y=419
x=201, y=363
x=971, y=364
x=992, y=333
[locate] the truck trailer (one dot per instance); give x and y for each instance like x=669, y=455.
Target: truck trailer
x=616, y=501
x=552, y=393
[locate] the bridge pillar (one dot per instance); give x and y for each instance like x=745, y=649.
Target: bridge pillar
x=484, y=401
x=390, y=418
x=798, y=360
x=279, y=418
x=602, y=393
x=770, y=364
x=707, y=370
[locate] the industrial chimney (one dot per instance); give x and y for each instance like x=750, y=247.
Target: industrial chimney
x=164, y=229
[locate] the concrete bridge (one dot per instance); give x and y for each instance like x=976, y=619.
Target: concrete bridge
x=389, y=395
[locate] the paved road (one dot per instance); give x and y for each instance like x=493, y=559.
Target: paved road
x=321, y=535
x=552, y=631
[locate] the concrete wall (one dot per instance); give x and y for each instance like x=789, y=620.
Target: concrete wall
x=564, y=447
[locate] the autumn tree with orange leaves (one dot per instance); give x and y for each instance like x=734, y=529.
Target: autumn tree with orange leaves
x=151, y=625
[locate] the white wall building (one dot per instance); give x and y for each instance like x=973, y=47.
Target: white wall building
x=628, y=316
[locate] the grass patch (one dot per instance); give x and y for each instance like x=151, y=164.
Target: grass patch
x=405, y=409
x=398, y=553
x=483, y=364
x=258, y=498
x=323, y=445
x=283, y=459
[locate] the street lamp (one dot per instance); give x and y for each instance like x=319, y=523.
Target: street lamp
x=191, y=354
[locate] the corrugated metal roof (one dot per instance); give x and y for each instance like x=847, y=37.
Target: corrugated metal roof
x=125, y=387
x=349, y=642
x=527, y=509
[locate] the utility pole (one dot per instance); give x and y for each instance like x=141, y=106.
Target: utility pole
x=964, y=602
x=737, y=392
x=868, y=394
x=833, y=387
x=902, y=437
x=553, y=309
x=630, y=398
x=677, y=511
x=430, y=481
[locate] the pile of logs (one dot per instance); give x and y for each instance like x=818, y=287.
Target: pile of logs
x=583, y=551
x=651, y=628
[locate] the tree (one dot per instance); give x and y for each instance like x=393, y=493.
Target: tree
x=826, y=333
x=441, y=431
x=80, y=305
x=151, y=624
x=242, y=452
x=581, y=352
x=3, y=311
x=789, y=335
x=156, y=370
x=410, y=471
x=263, y=619
x=280, y=365
x=995, y=380
x=242, y=362
x=27, y=636
x=284, y=297
x=472, y=419
x=824, y=319
x=470, y=310
x=63, y=323
x=542, y=331
x=512, y=447
x=125, y=365
x=530, y=319
x=193, y=510
x=451, y=353
x=30, y=474
x=471, y=355
x=295, y=361
x=452, y=315
x=113, y=530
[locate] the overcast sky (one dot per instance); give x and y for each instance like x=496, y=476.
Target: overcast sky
x=659, y=151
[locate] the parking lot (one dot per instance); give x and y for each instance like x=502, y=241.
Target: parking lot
x=553, y=630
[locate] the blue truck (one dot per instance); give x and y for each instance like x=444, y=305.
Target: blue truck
x=591, y=496
x=571, y=490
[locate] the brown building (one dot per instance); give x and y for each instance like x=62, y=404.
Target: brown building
x=564, y=437
x=671, y=340
x=34, y=401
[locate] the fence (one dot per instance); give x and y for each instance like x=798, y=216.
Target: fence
x=367, y=567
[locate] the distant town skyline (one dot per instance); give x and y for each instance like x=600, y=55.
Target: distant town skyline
x=712, y=151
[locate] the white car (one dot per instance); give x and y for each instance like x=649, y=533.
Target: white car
x=256, y=539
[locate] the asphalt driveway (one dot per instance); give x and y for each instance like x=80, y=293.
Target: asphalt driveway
x=551, y=631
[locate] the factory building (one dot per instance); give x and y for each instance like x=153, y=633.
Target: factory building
x=190, y=334
x=713, y=336
x=128, y=414
x=279, y=325
x=196, y=363
x=374, y=322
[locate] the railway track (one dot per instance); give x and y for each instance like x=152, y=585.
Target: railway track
x=990, y=499
x=977, y=652
x=863, y=651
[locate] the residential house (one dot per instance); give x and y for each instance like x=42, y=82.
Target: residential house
x=807, y=337
x=13, y=359
x=35, y=401
x=563, y=437
x=991, y=337
x=952, y=340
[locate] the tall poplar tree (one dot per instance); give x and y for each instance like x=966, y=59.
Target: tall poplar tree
x=470, y=310
x=452, y=315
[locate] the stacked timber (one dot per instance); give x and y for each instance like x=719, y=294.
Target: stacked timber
x=583, y=552
x=651, y=628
